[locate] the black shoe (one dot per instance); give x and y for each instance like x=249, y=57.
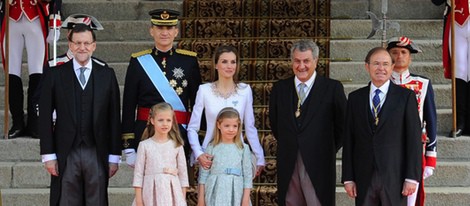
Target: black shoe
x=457, y=133
x=32, y=134
x=14, y=133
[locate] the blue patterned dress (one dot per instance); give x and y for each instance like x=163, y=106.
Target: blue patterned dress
x=230, y=174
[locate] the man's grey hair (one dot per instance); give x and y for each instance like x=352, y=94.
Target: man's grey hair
x=305, y=45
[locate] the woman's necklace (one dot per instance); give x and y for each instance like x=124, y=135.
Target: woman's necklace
x=224, y=94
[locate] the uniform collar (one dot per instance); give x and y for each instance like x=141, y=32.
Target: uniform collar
x=401, y=78
x=158, y=52
x=69, y=54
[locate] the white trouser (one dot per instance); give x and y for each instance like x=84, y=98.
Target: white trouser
x=462, y=50
x=30, y=34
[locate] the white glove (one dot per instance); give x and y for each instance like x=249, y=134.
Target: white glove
x=53, y=36
x=428, y=171
x=130, y=157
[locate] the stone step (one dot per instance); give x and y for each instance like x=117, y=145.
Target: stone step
x=444, y=119
x=357, y=49
x=137, y=29
x=412, y=28
x=346, y=72
x=442, y=93
x=355, y=73
x=119, y=68
x=117, y=10
x=352, y=50
x=27, y=149
x=33, y=175
x=68, y=1
x=435, y=196
x=397, y=9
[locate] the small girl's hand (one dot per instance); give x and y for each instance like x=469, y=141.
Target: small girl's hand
x=245, y=201
x=201, y=203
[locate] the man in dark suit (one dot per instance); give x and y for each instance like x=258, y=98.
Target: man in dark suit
x=307, y=117
x=382, y=147
x=83, y=148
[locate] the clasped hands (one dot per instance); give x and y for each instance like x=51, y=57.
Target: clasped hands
x=205, y=160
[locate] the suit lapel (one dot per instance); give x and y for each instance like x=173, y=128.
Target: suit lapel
x=313, y=100
x=68, y=81
x=291, y=103
x=365, y=106
x=98, y=82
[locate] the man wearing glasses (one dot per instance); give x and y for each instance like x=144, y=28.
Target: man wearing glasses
x=82, y=150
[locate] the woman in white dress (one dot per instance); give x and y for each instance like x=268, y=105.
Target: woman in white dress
x=224, y=91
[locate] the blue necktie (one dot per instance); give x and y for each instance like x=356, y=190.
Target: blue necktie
x=81, y=77
x=302, y=92
x=376, y=102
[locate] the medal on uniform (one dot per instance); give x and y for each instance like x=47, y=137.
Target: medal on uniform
x=164, y=62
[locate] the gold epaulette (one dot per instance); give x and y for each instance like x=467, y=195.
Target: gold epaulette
x=125, y=137
x=138, y=54
x=186, y=52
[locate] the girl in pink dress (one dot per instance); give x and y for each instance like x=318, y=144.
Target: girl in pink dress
x=160, y=175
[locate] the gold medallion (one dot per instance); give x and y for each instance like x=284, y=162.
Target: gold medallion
x=297, y=113
x=376, y=121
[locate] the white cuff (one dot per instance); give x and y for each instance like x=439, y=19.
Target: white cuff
x=114, y=159
x=411, y=181
x=48, y=157
x=129, y=150
x=197, y=154
x=348, y=182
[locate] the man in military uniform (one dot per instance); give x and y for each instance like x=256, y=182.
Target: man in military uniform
x=28, y=28
x=401, y=49
x=160, y=74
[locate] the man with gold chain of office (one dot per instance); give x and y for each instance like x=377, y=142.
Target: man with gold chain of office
x=160, y=74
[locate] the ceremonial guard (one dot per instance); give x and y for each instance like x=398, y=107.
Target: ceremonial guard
x=462, y=60
x=401, y=49
x=28, y=27
x=160, y=74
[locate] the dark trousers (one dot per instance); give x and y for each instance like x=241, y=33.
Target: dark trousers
x=84, y=180
x=376, y=195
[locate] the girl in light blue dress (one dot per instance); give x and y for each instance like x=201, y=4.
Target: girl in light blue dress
x=229, y=180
